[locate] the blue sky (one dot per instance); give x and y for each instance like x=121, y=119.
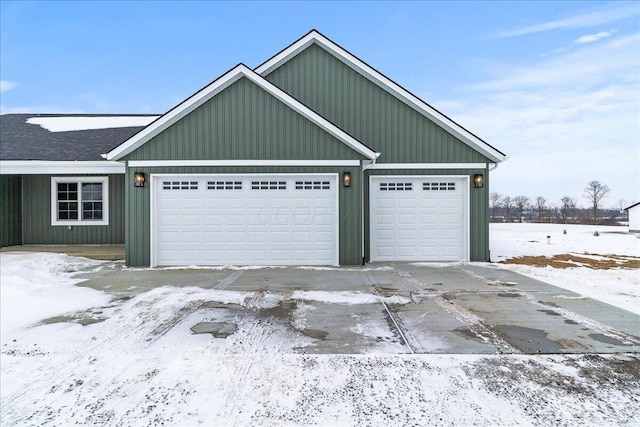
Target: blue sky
x=555, y=85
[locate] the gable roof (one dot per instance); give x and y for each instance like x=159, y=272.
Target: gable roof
x=632, y=206
x=314, y=37
x=65, y=137
x=215, y=87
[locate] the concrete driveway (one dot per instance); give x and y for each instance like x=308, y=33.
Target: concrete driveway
x=459, y=308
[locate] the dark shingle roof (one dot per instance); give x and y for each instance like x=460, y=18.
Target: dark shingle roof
x=20, y=140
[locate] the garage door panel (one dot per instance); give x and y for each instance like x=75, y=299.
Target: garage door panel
x=406, y=219
x=418, y=218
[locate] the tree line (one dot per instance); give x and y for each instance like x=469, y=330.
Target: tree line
x=522, y=208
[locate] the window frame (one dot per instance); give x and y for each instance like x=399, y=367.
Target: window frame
x=79, y=180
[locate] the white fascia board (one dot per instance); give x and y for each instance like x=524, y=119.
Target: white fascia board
x=392, y=87
x=161, y=163
x=50, y=167
x=427, y=166
x=216, y=87
x=175, y=114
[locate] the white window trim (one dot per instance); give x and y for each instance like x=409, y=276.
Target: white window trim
x=104, y=180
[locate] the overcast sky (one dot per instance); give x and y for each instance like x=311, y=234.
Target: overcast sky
x=555, y=85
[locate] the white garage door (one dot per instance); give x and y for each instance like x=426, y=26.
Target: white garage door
x=418, y=218
x=245, y=220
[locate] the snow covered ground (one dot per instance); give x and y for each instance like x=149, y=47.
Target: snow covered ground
x=137, y=362
x=617, y=286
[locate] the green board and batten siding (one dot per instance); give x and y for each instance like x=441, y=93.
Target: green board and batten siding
x=10, y=210
x=242, y=122
x=367, y=112
x=37, y=228
x=382, y=121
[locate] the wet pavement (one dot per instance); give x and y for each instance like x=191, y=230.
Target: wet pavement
x=455, y=309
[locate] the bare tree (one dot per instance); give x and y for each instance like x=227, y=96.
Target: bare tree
x=507, y=203
x=622, y=203
x=595, y=192
x=567, y=207
x=494, y=202
x=541, y=203
x=522, y=203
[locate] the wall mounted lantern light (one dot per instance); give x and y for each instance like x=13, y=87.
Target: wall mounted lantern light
x=138, y=179
x=346, y=179
x=478, y=180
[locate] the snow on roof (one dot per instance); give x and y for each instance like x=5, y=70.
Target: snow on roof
x=75, y=123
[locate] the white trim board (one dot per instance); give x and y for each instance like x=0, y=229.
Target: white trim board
x=386, y=84
x=51, y=167
x=427, y=166
x=202, y=96
x=292, y=163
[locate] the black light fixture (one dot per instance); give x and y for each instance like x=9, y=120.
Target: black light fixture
x=346, y=179
x=478, y=180
x=138, y=179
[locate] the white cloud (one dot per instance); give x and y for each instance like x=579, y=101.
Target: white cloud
x=563, y=120
x=6, y=85
x=584, y=66
x=583, y=20
x=590, y=38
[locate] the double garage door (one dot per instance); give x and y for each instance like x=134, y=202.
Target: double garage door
x=245, y=220
x=419, y=218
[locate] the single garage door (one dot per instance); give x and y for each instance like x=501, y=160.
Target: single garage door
x=245, y=220
x=418, y=218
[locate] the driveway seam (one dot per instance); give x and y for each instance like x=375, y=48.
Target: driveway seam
x=474, y=323
x=371, y=281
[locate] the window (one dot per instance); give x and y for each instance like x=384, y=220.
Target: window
x=312, y=185
x=179, y=185
x=268, y=185
x=395, y=186
x=224, y=185
x=439, y=186
x=80, y=200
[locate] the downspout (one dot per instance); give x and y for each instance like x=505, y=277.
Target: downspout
x=364, y=168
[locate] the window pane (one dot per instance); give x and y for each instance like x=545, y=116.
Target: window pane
x=67, y=201
x=91, y=200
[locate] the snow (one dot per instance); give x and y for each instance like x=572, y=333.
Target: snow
x=618, y=287
x=513, y=240
x=36, y=286
x=75, y=123
x=140, y=364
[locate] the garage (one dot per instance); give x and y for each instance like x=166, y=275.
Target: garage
x=257, y=219
x=419, y=218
